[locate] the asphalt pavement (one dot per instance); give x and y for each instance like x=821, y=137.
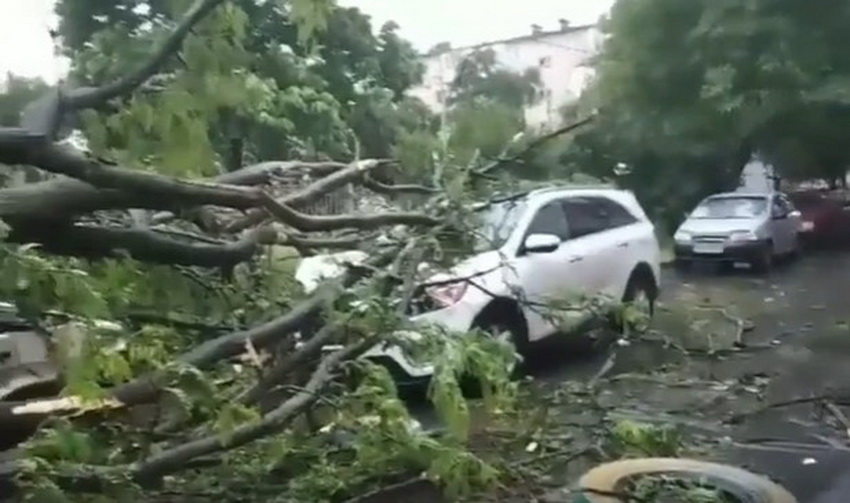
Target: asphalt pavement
x=801, y=310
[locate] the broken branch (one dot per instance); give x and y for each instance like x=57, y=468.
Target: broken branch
x=171, y=460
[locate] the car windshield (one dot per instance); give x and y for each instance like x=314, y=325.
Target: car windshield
x=497, y=222
x=730, y=207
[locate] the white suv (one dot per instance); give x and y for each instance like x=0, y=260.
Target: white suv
x=536, y=246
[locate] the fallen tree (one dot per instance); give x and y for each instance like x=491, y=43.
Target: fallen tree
x=146, y=408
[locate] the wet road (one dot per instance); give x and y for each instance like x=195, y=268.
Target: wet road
x=800, y=316
x=802, y=311
x=798, y=350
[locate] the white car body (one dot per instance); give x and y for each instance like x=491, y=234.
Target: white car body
x=597, y=263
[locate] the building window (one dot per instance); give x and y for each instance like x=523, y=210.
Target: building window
x=545, y=61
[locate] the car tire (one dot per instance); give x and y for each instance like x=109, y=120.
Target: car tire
x=640, y=285
x=764, y=262
x=797, y=251
x=502, y=319
x=604, y=484
x=499, y=318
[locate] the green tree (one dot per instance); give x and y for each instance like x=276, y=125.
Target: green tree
x=479, y=75
x=711, y=83
x=315, y=98
x=16, y=93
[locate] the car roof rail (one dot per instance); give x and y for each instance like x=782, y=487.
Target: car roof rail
x=501, y=198
x=578, y=186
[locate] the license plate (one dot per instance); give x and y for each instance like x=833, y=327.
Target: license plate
x=708, y=248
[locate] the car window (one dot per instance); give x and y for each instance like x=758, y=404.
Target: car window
x=617, y=215
x=589, y=215
x=786, y=202
x=779, y=209
x=731, y=207
x=550, y=219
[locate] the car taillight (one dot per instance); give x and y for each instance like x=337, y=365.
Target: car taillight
x=448, y=294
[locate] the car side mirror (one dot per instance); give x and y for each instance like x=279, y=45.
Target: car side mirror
x=541, y=243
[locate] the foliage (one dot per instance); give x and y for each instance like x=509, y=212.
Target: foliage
x=282, y=94
x=685, y=104
x=280, y=76
x=479, y=75
x=16, y=93
x=646, y=440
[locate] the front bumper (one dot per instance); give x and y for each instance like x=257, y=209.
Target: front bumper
x=454, y=319
x=748, y=251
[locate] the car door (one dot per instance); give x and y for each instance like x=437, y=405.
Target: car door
x=625, y=238
x=599, y=228
x=781, y=225
x=548, y=278
x=795, y=222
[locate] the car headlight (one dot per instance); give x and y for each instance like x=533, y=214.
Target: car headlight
x=448, y=294
x=683, y=236
x=739, y=236
x=807, y=226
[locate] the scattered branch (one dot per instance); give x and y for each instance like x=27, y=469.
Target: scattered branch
x=172, y=460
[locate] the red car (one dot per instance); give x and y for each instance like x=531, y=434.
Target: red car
x=825, y=218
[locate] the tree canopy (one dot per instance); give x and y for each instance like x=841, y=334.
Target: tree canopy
x=17, y=92
x=687, y=91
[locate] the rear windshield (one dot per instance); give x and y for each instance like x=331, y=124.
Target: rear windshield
x=730, y=207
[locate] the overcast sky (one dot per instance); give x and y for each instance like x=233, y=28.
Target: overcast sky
x=26, y=49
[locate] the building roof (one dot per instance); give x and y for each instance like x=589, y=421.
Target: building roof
x=522, y=38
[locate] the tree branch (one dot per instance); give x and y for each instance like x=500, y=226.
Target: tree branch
x=170, y=191
x=174, y=459
x=144, y=245
x=534, y=145
x=262, y=174
x=63, y=198
x=83, y=98
x=265, y=172
x=382, y=188
x=287, y=364
x=311, y=223
x=299, y=241
x=312, y=192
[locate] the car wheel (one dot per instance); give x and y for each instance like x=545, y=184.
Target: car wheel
x=764, y=262
x=797, y=250
x=608, y=482
x=641, y=293
x=504, y=322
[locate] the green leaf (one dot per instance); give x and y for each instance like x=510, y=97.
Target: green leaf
x=233, y=415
